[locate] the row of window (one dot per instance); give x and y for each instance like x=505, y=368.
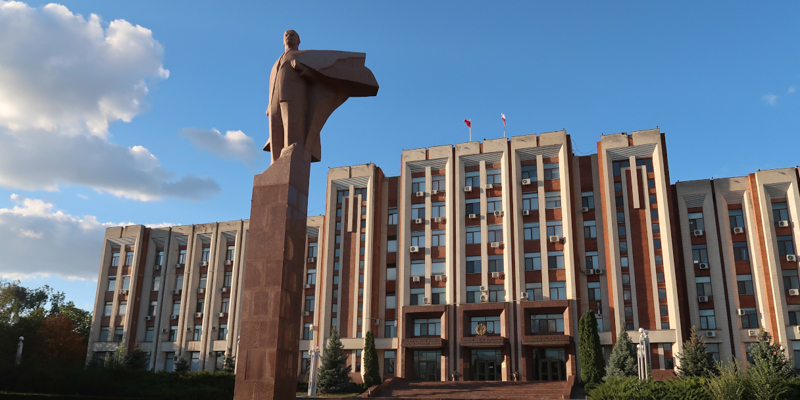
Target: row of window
x=156, y=282
x=159, y=260
x=197, y=333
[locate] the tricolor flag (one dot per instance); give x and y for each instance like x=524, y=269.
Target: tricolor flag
x=503, y=117
x=469, y=122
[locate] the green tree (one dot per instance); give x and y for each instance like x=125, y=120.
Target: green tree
x=695, y=360
x=229, y=364
x=81, y=318
x=136, y=359
x=622, y=362
x=372, y=375
x=771, y=368
x=589, y=349
x=182, y=365
x=334, y=374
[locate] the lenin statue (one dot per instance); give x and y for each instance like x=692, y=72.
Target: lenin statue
x=305, y=87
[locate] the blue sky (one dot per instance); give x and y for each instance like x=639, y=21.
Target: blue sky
x=153, y=112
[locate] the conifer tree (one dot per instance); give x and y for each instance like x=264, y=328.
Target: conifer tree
x=229, y=363
x=590, y=351
x=334, y=374
x=770, y=357
x=622, y=362
x=695, y=360
x=182, y=365
x=372, y=375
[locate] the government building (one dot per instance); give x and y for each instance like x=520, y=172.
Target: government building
x=480, y=258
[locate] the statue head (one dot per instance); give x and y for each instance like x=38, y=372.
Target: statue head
x=291, y=39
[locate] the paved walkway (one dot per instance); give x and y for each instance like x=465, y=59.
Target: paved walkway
x=474, y=390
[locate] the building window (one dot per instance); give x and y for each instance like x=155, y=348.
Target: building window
x=750, y=318
x=438, y=183
x=621, y=230
x=699, y=253
x=647, y=162
x=391, y=272
x=438, y=210
x=495, y=233
x=660, y=277
x=122, y=308
x=182, y=256
x=104, y=332
x=392, y=217
x=713, y=349
x=149, y=333
x=619, y=201
x=626, y=295
x=206, y=254
x=203, y=281
x=427, y=327
x=418, y=239
x=793, y=317
x=437, y=296
x=589, y=229
x=418, y=211
x=531, y=231
x=472, y=178
x=496, y=293
x=529, y=172
x=558, y=290
x=437, y=266
x=311, y=276
x=128, y=258
x=417, y=267
x=554, y=229
x=780, y=212
x=623, y=261
x=790, y=279
x=696, y=222
x=703, y=284
x=126, y=282
x=628, y=312
x=626, y=279
x=473, y=206
x=617, y=186
x=736, y=218
x=594, y=291
x=229, y=253
x=533, y=261
x=656, y=244
x=107, y=308
x=389, y=362
x=552, y=200
x=173, y=334
x=305, y=363
x=473, y=294
x=653, y=199
x=438, y=238
x=785, y=246
x=659, y=259
x=664, y=310
x=530, y=201
x=587, y=199
x=534, y=291
x=391, y=301
x=195, y=361
x=223, y=332
x=551, y=171
x=493, y=177
x=494, y=204
x=390, y=329
x=362, y=192
x=200, y=305
x=176, y=307
x=473, y=235
x=418, y=184
x=309, y=303
x=492, y=324
x=391, y=244
x=358, y=360
x=655, y=228
x=592, y=260
x=621, y=217
x=740, y=251
x=340, y=195
x=112, y=283
x=417, y=296
x=151, y=311
x=555, y=260
x=224, y=305
x=156, y=284
x=707, y=320
x=547, y=323
x=115, y=258
x=118, y=333
x=651, y=183
x=198, y=332
x=474, y=265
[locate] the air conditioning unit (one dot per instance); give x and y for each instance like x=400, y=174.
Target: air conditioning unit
x=794, y=292
x=697, y=232
x=791, y=257
x=438, y=220
x=307, y=286
x=523, y=295
x=413, y=249
x=438, y=278
x=783, y=224
x=752, y=332
x=433, y=192
x=148, y=317
x=420, y=194
x=495, y=245
x=306, y=313
x=415, y=279
x=495, y=275
x=467, y=189
x=164, y=330
x=178, y=265
x=312, y=259
x=598, y=271
x=741, y=312
x=426, y=300
x=174, y=316
x=176, y=291
x=221, y=315
x=702, y=299
x=589, y=271
x=156, y=267
x=526, y=182
x=484, y=289
x=123, y=291
x=498, y=213
x=702, y=265
x=737, y=230
x=525, y=213
x=584, y=209
x=488, y=186
x=228, y=263
x=484, y=298
x=472, y=216
x=203, y=263
x=711, y=334
x=223, y=289
x=201, y=290
x=189, y=329
x=198, y=315
x=418, y=221
x=555, y=239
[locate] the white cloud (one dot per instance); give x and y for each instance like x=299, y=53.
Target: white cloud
x=770, y=99
x=41, y=241
x=63, y=79
x=233, y=145
x=791, y=89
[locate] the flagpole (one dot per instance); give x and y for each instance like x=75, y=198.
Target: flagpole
x=470, y=133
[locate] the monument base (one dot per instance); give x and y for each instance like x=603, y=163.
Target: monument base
x=272, y=291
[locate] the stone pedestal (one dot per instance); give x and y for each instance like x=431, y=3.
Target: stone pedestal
x=272, y=293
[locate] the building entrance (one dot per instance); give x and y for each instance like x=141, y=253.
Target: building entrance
x=427, y=365
x=551, y=364
x=486, y=365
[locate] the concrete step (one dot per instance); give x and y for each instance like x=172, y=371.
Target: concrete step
x=474, y=390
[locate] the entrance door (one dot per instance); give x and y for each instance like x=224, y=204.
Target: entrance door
x=427, y=365
x=486, y=364
x=550, y=370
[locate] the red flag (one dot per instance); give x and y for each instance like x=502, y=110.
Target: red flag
x=469, y=122
x=503, y=116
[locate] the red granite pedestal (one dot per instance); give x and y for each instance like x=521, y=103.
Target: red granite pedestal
x=269, y=339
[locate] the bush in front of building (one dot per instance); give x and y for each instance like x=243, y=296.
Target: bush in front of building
x=695, y=360
x=590, y=351
x=372, y=374
x=334, y=373
x=622, y=363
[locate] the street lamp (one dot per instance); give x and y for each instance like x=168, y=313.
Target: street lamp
x=312, y=382
x=19, y=350
x=643, y=353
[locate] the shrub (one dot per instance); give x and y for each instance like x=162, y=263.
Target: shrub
x=590, y=351
x=372, y=375
x=622, y=362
